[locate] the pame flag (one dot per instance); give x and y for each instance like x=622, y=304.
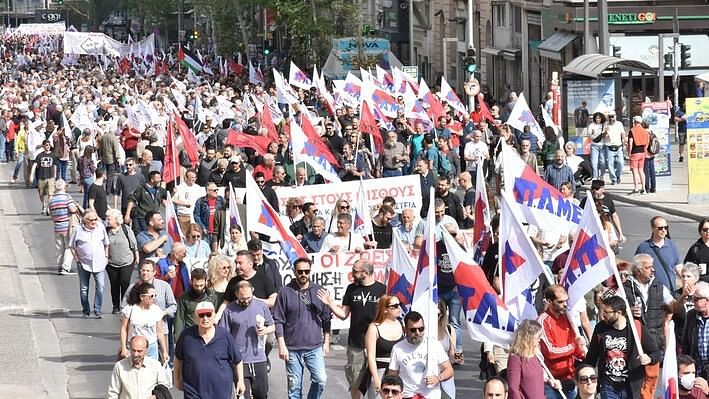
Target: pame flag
x=488, y=318
x=385, y=102
x=362, y=223
x=590, y=260
x=304, y=151
x=522, y=116
x=482, y=232
x=669, y=366
x=519, y=260
x=298, y=78
x=417, y=114
x=448, y=95
x=261, y=218
x=401, y=273
x=536, y=201
x=173, y=226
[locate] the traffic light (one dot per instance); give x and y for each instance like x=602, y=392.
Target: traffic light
x=195, y=34
x=60, y=2
x=616, y=51
x=669, y=60
x=267, y=47
x=470, y=63
x=684, y=56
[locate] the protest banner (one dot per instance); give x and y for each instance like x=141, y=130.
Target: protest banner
x=406, y=190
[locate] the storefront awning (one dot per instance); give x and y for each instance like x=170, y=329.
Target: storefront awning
x=554, y=44
x=491, y=51
x=593, y=65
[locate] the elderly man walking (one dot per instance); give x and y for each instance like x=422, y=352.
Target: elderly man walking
x=89, y=244
x=137, y=375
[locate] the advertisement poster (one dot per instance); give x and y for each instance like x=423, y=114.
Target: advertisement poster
x=657, y=115
x=698, y=149
x=586, y=97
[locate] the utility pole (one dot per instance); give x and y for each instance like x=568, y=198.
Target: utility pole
x=603, y=44
x=471, y=49
x=180, y=30
x=661, y=68
x=675, y=77
x=412, y=57
x=587, y=36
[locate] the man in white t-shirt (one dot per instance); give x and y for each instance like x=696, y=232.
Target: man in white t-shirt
x=615, y=135
x=410, y=356
x=343, y=240
x=475, y=152
x=186, y=194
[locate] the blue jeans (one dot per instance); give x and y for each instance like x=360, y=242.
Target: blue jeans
x=61, y=169
x=153, y=351
x=18, y=165
x=314, y=361
x=649, y=168
x=452, y=299
x=608, y=392
x=100, y=282
x=598, y=160
x=552, y=393
x=87, y=182
x=615, y=164
x=2, y=148
x=391, y=173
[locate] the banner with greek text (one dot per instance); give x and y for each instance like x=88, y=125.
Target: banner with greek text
x=406, y=190
x=94, y=43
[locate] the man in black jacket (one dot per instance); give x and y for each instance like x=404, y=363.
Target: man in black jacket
x=454, y=207
x=695, y=329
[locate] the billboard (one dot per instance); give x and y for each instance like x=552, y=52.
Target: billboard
x=698, y=149
x=586, y=96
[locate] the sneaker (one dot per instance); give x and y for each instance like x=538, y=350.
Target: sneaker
x=98, y=316
x=67, y=273
x=13, y=180
x=633, y=192
x=85, y=316
x=115, y=311
x=681, y=158
x=44, y=210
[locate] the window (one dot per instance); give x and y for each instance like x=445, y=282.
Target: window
x=499, y=12
x=517, y=18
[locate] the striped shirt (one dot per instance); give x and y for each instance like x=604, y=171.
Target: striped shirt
x=61, y=206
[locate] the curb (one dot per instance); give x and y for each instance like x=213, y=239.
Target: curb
x=659, y=207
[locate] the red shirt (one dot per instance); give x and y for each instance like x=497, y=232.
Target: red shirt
x=129, y=142
x=558, y=345
x=267, y=172
x=212, y=202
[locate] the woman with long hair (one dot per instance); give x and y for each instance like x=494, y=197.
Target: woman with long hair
x=605, y=218
x=598, y=147
x=220, y=269
x=524, y=355
x=446, y=332
x=87, y=169
x=143, y=317
x=382, y=334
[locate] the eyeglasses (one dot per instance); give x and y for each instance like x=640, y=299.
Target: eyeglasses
x=303, y=271
x=196, y=236
x=151, y=296
x=705, y=230
x=92, y=220
x=697, y=298
x=260, y=182
x=203, y=315
x=413, y=330
x=130, y=164
x=662, y=227
x=390, y=391
x=213, y=190
x=393, y=305
x=585, y=379
x=354, y=271
x=348, y=207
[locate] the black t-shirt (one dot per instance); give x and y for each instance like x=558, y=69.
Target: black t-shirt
x=607, y=202
x=362, y=302
x=263, y=287
x=100, y=197
x=382, y=235
x=613, y=367
x=446, y=283
x=468, y=200
x=45, y=162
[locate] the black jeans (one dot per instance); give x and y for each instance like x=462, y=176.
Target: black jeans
x=120, y=280
x=256, y=380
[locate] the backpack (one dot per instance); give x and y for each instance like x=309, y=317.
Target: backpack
x=653, y=146
x=444, y=165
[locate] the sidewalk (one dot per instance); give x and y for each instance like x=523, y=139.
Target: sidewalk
x=673, y=201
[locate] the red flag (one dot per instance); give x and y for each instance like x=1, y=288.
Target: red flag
x=484, y=110
x=266, y=120
x=237, y=68
x=315, y=139
x=180, y=54
x=189, y=142
x=124, y=66
x=240, y=139
x=368, y=125
x=170, y=168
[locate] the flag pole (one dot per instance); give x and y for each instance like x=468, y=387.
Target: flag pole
x=548, y=373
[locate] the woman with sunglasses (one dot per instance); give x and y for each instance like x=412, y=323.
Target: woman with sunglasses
x=699, y=251
x=143, y=317
x=586, y=382
x=525, y=374
x=220, y=269
x=385, y=331
x=197, y=246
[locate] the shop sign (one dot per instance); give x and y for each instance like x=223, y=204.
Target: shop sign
x=632, y=18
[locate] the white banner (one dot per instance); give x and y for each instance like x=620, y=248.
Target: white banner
x=93, y=43
x=405, y=189
x=56, y=28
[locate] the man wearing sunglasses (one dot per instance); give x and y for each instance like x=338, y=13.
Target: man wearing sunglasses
x=586, y=382
x=208, y=361
x=303, y=331
x=409, y=360
x=89, y=245
x=663, y=251
x=188, y=301
x=392, y=387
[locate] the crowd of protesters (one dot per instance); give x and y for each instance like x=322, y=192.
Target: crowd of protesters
x=71, y=126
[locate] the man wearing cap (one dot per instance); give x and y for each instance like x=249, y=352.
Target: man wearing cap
x=614, y=133
x=598, y=190
x=207, y=360
x=235, y=174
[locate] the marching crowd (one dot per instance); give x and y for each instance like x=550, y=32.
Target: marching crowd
x=216, y=324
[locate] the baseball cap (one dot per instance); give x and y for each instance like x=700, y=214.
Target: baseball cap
x=611, y=113
x=204, y=307
x=235, y=159
x=596, y=184
x=638, y=119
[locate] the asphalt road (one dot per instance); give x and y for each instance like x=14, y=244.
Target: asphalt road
x=49, y=351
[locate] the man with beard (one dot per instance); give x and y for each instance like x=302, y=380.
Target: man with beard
x=454, y=207
x=136, y=376
x=303, y=331
x=245, y=271
x=236, y=174
x=409, y=358
x=187, y=303
x=360, y=303
x=146, y=198
x=206, y=166
x=250, y=322
x=559, y=172
x=621, y=367
x=559, y=344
